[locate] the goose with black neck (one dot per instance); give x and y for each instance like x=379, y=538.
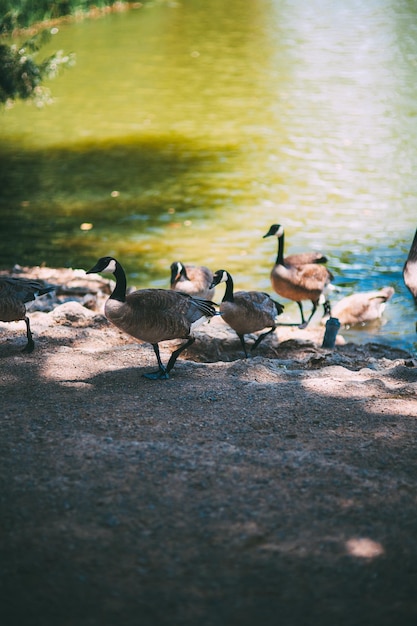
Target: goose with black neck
x=302, y=281
x=247, y=311
x=153, y=315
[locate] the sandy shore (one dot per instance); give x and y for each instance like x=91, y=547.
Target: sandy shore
x=280, y=488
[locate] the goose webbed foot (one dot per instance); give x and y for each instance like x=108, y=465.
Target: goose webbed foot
x=305, y=323
x=161, y=374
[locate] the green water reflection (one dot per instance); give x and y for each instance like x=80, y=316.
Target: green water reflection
x=187, y=128
x=120, y=186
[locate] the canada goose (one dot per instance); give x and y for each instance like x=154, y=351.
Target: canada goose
x=193, y=280
x=297, y=282
x=14, y=292
x=153, y=315
x=246, y=311
x=410, y=269
x=362, y=307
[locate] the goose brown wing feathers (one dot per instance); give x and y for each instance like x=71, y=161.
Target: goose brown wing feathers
x=155, y=315
x=304, y=258
x=201, y=275
x=164, y=301
x=21, y=289
x=249, y=312
x=313, y=276
x=362, y=307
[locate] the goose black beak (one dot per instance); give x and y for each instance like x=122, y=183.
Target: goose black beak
x=274, y=230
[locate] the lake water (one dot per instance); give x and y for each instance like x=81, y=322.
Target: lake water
x=187, y=128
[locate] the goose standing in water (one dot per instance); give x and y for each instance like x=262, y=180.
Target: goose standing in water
x=153, y=315
x=363, y=307
x=193, y=280
x=299, y=281
x=247, y=311
x=410, y=269
x=14, y=293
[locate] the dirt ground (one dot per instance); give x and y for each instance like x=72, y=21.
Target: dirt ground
x=279, y=490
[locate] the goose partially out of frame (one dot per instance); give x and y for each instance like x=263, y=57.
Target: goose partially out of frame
x=153, y=315
x=410, y=269
x=14, y=293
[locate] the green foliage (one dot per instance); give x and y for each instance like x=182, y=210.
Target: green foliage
x=21, y=76
x=23, y=13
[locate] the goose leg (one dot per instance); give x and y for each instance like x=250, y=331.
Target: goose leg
x=258, y=341
x=176, y=353
x=314, y=309
x=162, y=372
x=30, y=344
x=303, y=321
x=242, y=341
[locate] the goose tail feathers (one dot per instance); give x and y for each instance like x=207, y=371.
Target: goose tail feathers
x=279, y=307
x=206, y=307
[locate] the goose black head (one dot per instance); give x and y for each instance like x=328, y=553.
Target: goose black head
x=105, y=264
x=276, y=230
x=177, y=270
x=220, y=276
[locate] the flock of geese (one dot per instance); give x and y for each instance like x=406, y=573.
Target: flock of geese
x=155, y=315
